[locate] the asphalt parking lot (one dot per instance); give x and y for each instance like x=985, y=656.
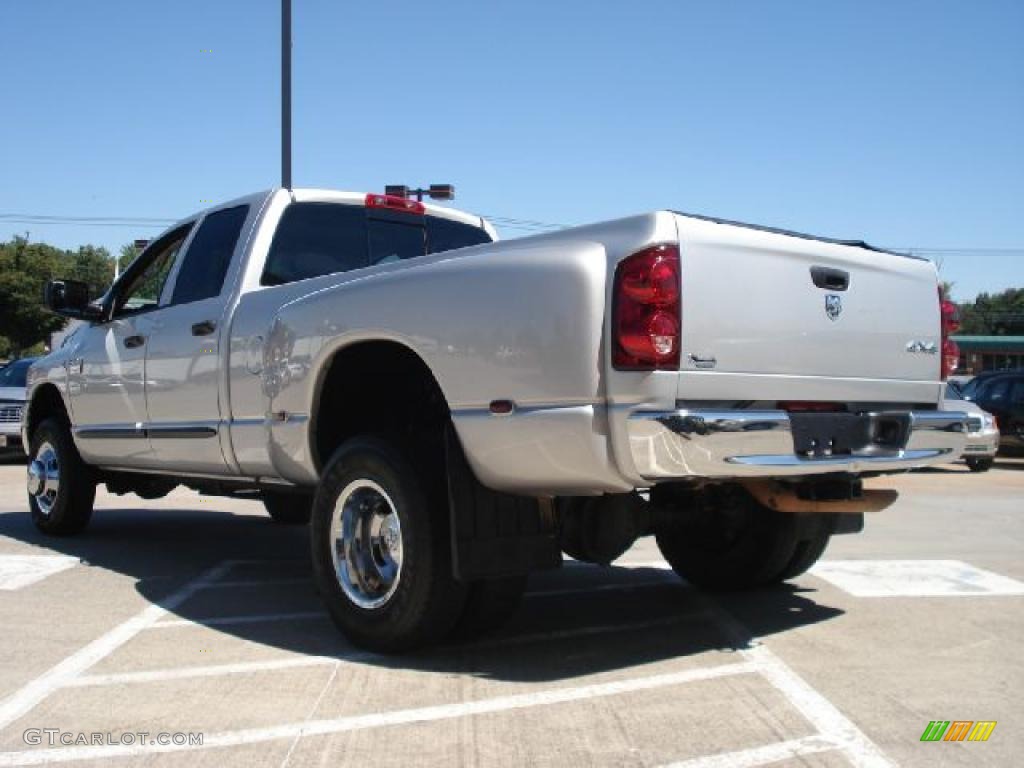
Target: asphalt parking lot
x=194, y=615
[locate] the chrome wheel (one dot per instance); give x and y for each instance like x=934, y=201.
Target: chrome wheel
x=366, y=544
x=44, y=478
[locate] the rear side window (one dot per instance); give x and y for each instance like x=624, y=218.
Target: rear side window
x=399, y=236
x=315, y=239
x=447, y=235
x=209, y=255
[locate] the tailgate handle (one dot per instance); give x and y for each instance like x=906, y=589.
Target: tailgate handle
x=830, y=279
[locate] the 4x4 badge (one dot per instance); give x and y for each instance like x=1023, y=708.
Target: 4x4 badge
x=833, y=306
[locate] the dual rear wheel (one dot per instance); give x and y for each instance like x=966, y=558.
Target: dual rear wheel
x=381, y=550
x=724, y=539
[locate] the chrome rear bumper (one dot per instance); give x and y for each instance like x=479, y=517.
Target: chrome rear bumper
x=724, y=444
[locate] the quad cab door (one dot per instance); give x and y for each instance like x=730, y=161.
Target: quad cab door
x=187, y=418
x=107, y=365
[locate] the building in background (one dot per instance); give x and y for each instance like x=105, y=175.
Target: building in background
x=989, y=353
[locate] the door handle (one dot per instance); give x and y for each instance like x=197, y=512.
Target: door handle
x=830, y=279
x=131, y=342
x=204, y=328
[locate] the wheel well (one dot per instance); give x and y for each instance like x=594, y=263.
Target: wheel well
x=46, y=402
x=381, y=388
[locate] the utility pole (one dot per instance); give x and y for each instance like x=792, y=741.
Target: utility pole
x=286, y=94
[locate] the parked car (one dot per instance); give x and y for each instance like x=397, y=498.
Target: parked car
x=451, y=412
x=982, y=432
x=1001, y=393
x=12, y=402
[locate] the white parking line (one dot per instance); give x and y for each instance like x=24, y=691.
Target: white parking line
x=259, y=582
x=819, y=711
x=17, y=571
x=208, y=670
x=831, y=724
x=24, y=699
x=835, y=731
x=245, y=618
x=757, y=756
x=914, y=578
x=248, y=667
x=628, y=587
x=383, y=719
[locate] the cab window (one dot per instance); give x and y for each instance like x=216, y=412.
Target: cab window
x=145, y=278
x=209, y=255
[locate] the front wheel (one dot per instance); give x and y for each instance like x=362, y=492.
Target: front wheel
x=381, y=550
x=980, y=465
x=61, y=489
x=724, y=539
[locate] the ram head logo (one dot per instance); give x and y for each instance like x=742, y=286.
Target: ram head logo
x=833, y=306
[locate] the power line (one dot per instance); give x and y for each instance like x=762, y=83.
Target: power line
x=960, y=250
x=507, y=222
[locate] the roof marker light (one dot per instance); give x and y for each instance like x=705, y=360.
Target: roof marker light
x=393, y=203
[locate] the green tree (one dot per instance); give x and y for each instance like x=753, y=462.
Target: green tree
x=24, y=269
x=996, y=314
x=127, y=256
x=91, y=265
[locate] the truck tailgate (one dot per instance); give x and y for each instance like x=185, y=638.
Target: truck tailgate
x=765, y=302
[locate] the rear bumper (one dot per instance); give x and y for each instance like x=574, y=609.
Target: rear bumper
x=727, y=444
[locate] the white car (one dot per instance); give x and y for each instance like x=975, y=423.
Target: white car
x=982, y=430
x=12, y=402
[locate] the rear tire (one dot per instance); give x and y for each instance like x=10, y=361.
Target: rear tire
x=726, y=540
x=980, y=465
x=381, y=550
x=288, y=508
x=61, y=487
x=814, y=537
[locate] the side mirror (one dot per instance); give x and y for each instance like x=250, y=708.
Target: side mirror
x=70, y=298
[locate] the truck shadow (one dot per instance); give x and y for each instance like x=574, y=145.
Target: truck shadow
x=576, y=621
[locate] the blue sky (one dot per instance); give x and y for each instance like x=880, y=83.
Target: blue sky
x=898, y=122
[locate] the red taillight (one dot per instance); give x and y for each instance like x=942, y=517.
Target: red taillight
x=949, y=319
x=394, y=203
x=950, y=357
x=646, y=313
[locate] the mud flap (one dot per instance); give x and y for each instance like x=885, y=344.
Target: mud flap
x=495, y=534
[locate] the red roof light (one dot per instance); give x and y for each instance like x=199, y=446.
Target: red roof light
x=394, y=203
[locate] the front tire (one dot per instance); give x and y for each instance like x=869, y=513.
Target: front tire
x=980, y=465
x=61, y=488
x=381, y=550
x=724, y=539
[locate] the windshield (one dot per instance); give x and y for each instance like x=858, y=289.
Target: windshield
x=14, y=374
x=953, y=391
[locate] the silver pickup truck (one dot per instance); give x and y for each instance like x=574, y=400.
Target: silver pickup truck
x=449, y=412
